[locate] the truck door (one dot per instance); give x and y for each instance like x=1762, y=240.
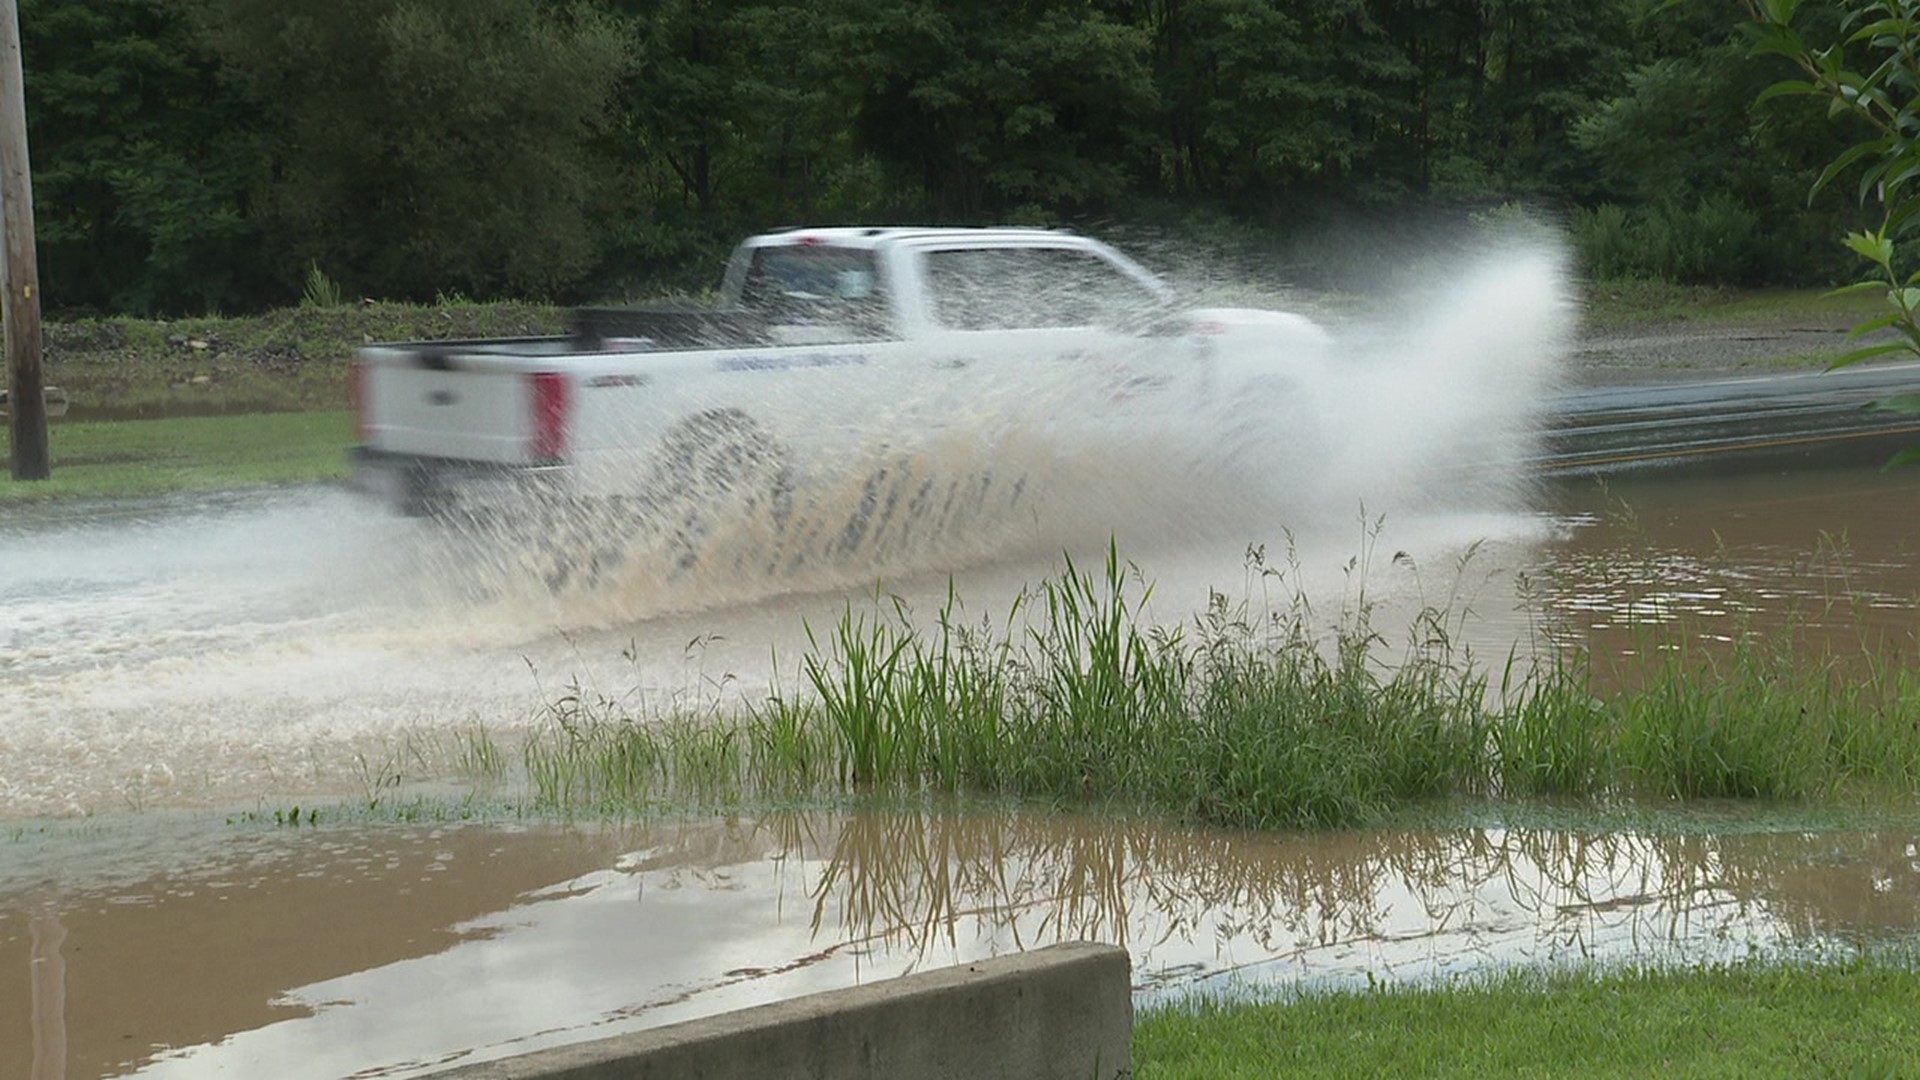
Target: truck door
x=829, y=344
x=1056, y=335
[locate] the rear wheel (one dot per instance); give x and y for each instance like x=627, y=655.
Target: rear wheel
x=720, y=481
x=718, y=486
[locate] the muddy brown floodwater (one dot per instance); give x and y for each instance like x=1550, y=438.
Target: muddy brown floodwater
x=332, y=952
x=1825, y=555
x=259, y=653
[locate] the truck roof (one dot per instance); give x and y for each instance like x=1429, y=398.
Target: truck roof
x=865, y=236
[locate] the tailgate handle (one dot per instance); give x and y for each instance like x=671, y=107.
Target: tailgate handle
x=443, y=397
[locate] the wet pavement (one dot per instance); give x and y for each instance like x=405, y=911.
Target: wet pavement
x=1737, y=420
x=331, y=952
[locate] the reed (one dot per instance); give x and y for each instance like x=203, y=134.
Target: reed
x=1075, y=696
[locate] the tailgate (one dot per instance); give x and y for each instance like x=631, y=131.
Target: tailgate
x=476, y=407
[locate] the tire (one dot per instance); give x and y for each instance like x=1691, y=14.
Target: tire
x=713, y=469
x=1273, y=428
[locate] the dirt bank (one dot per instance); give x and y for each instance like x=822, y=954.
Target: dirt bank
x=292, y=359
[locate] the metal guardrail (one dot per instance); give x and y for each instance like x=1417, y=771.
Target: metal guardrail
x=56, y=400
x=1624, y=427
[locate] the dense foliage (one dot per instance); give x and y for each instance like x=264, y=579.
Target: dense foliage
x=211, y=154
x=1877, y=88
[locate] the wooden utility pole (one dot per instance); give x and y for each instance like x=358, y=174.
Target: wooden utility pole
x=19, y=272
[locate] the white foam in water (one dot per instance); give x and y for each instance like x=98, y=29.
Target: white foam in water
x=1444, y=405
x=274, y=646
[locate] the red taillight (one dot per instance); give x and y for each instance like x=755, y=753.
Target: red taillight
x=551, y=405
x=357, y=400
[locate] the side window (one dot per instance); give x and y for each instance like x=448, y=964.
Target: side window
x=1017, y=288
x=818, y=285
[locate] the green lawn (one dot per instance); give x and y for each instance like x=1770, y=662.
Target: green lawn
x=1860, y=1019
x=151, y=457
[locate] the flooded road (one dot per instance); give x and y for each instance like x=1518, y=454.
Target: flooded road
x=175, y=673
x=329, y=952
x=304, y=645
x=1733, y=419
x=1824, y=555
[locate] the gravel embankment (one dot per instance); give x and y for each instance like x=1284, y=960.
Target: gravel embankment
x=1681, y=349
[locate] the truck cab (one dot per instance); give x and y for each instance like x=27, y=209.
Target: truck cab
x=918, y=283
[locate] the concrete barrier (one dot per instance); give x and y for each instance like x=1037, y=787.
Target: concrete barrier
x=1059, y=1013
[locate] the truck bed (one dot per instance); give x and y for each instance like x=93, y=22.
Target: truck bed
x=666, y=327
x=601, y=330
x=440, y=409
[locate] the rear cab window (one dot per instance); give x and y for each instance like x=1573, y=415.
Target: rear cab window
x=1028, y=287
x=819, y=291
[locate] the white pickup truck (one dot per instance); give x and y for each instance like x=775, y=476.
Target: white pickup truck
x=820, y=339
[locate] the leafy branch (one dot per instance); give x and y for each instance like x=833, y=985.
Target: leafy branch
x=1882, y=88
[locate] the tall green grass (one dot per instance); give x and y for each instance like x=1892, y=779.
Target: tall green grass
x=1267, y=720
x=1760, y=723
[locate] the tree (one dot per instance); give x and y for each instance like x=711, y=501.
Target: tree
x=1250, y=98
x=428, y=145
x=1688, y=178
x=1878, y=85
x=1546, y=64
x=733, y=118
x=144, y=164
x=1005, y=106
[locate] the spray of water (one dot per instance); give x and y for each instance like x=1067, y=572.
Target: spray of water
x=1440, y=409
x=1427, y=405
x=311, y=642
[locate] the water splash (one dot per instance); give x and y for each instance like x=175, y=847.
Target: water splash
x=216, y=651
x=1425, y=407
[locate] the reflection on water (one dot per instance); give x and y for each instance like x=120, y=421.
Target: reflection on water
x=1829, y=554
x=387, y=953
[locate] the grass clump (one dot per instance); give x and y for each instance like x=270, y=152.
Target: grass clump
x=1738, y=736
x=1551, y=740
x=1074, y=697
x=1077, y=697
x=1764, y=722
x=321, y=291
x=1281, y=735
